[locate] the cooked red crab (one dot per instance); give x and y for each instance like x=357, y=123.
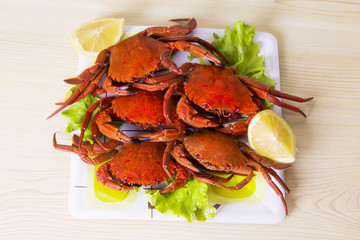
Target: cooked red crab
x=144, y=109
x=140, y=164
x=220, y=91
x=138, y=58
x=133, y=164
x=221, y=153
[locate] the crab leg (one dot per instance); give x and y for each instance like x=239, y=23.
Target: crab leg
x=175, y=86
x=236, y=128
x=77, y=80
x=166, y=103
x=194, y=50
x=161, y=78
x=93, y=85
x=274, y=92
x=90, y=79
x=96, y=92
x=175, y=30
x=104, y=177
x=278, y=179
x=181, y=177
x=166, y=159
x=265, y=92
x=97, y=148
x=83, y=153
x=100, y=158
x=245, y=181
x=200, y=41
x=264, y=161
x=89, y=112
x=267, y=164
x=177, y=129
x=190, y=116
x=179, y=153
x=214, y=181
x=75, y=149
x=159, y=86
x=103, y=121
x=166, y=62
x=263, y=171
x=265, y=95
x=110, y=88
x=219, y=179
x=95, y=130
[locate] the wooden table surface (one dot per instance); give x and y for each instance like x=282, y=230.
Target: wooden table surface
x=319, y=56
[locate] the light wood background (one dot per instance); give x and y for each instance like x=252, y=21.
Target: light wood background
x=319, y=56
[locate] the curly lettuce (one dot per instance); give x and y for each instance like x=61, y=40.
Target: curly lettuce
x=238, y=47
x=75, y=114
x=190, y=201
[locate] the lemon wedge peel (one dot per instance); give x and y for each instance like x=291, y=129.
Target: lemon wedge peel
x=95, y=35
x=271, y=136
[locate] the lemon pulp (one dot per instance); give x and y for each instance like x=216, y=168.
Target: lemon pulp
x=93, y=36
x=271, y=136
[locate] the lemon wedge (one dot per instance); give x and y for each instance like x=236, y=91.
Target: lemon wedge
x=95, y=35
x=271, y=136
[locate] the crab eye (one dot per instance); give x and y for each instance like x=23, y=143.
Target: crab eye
x=226, y=113
x=205, y=105
x=199, y=156
x=236, y=109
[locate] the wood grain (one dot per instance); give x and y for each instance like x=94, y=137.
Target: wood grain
x=319, y=56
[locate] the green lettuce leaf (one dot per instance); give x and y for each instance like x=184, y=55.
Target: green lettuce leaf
x=242, y=53
x=75, y=114
x=190, y=201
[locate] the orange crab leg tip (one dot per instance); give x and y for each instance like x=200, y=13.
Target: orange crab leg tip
x=308, y=99
x=57, y=111
x=54, y=140
x=191, y=22
x=73, y=81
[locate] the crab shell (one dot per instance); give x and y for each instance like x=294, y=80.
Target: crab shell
x=143, y=108
x=218, y=90
x=124, y=59
x=139, y=163
x=215, y=151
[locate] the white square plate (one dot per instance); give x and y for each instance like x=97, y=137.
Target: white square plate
x=264, y=206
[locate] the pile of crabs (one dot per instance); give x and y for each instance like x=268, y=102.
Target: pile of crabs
x=192, y=110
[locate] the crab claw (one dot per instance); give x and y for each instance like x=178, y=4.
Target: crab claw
x=176, y=30
x=190, y=25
